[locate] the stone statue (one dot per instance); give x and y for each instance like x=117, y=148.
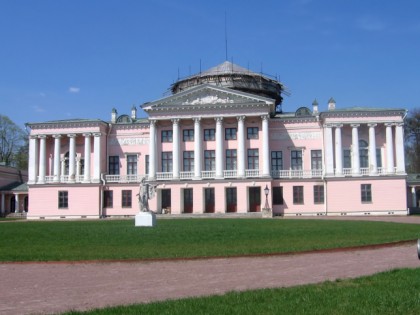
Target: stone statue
x=146, y=191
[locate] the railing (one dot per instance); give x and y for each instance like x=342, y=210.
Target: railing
x=230, y=174
x=296, y=173
x=164, y=175
x=124, y=178
x=186, y=175
x=252, y=173
x=208, y=174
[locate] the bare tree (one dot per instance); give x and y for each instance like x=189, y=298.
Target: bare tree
x=12, y=143
x=412, y=141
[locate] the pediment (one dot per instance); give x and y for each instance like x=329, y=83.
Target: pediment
x=205, y=96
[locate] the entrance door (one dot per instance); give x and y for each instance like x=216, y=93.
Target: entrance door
x=254, y=199
x=209, y=200
x=12, y=204
x=231, y=200
x=188, y=200
x=166, y=199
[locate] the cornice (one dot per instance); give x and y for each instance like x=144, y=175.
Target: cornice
x=55, y=125
x=342, y=114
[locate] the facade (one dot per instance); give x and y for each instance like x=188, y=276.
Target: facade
x=213, y=146
x=13, y=191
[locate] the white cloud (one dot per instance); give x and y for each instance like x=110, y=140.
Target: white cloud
x=74, y=89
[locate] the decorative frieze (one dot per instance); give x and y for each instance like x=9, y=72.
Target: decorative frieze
x=295, y=135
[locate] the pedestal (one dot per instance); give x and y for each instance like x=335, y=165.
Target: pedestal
x=145, y=219
x=267, y=213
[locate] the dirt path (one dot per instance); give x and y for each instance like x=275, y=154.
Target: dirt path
x=34, y=288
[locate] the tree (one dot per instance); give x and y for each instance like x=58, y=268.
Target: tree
x=13, y=143
x=412, y=141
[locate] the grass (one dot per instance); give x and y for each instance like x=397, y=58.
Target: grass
x=113, y=239
x=393, y=292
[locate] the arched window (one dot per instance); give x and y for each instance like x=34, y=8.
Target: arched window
x=363, y=154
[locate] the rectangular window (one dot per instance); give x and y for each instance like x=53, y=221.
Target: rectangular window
x=378, y=158
x=296, y=159
x=188, y=161
x=63, y=199
x=276, y=160
x=277, y=195
x=108, y=199
x=166, y=162
x=188, y=200
x=230, y=133
x=346, y=158
x=231, y=199
x=114, y=165
x=231, y=160
x=209, y=160
x=132, y=164
x=364, y=157
x=188, y=135
x=209, y=134
x=318, y=194
x=253, y=159
x=316, y=159
x=126, y=199
x=298, y=195
x=252, y=133
x=166, y=135
x=366, y=190
x=146, y=162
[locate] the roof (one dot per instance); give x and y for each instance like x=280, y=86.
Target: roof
x=74, y=120
x=15, y=186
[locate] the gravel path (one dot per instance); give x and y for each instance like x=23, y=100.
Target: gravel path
x=40, y=288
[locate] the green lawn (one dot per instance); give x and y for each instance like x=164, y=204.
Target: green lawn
x=394, y=292
x=120, y=239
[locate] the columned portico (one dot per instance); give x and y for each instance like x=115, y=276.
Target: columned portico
x=338, y=151
x=329, y=158
x=266, y=146
x=399, y=147
x=86, y=175
x=17, y=209
x=176, y=148
x=57, y=144
x=241, y=146
x=97, y=157
x=152, y=150
x=3, y=204
x=389, y=149
x=33, y=160
x=373, y=164
x=197, y=148
x=355, y=149
x=219, y=147
x=72, y=157
x=42, y=159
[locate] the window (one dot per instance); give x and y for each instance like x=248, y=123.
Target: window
x=276, y=160
x=253, y=159
x=231, y=199
x=230, y=133
x=114, y=165
x=146, y=161
x=188, y=135
x=346, y=158
x=188, y=161
x=363, y=154
x=316, y=159
x=252, y=133
x=298, y=195
x=296, y=159
x=132, y=164
x=63, y=199
x=166, y=135
x=318, y=194
x=166, y=161
x=108, y=199
x=277, y=195
x=231, y=160
x=366, y=192
x=209, y=134
x=209, y=160
x=126, y=199
x=378, y=158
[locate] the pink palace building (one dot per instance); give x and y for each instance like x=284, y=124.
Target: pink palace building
x=214, y=146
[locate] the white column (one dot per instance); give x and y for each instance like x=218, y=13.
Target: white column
x=33, y=160
x=197, y=148
x=17, y=210
x=355, y=149
x=373, y=164
x=3, y=203
x=176, y=148
x=42, y=159
x=72, y=157
x=97, y=157
x=399, y=147
x=241, y=146
x=63, y=167
x=152, y=150
x=265, y=146
x=389, y=149
x=219, y=147
x=78, y=167
x=86, y=175
x=413, y=197
x=338, y=151
x=329, y=155
x=57, y=144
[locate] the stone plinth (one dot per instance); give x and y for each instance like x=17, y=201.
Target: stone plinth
x=267, y=213
x=145, y=219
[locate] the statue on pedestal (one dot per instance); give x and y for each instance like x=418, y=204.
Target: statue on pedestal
x=146, y=191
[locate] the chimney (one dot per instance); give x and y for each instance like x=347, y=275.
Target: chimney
x=315, y=107
x=331, y=104
x=134, y=112
x=114, y=116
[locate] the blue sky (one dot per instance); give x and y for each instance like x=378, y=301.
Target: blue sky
x=80, y=58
